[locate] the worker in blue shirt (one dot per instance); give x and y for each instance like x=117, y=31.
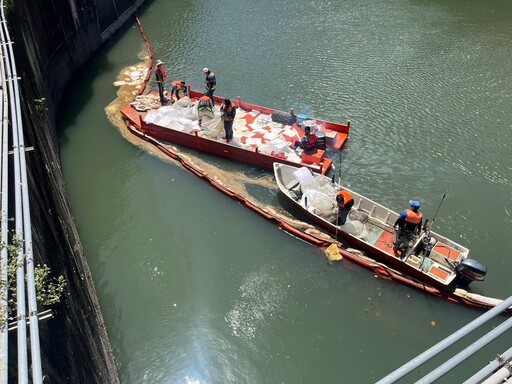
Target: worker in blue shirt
x=210, y=83
x=407, y=226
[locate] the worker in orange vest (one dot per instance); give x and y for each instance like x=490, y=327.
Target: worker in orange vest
x=345, y=202
x=177, y=87
x=228, y=111
x=161, y=76
x=308, y=141
x=407, y=226
x=204, y=108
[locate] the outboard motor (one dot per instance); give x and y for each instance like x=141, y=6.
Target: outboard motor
x=471, y=269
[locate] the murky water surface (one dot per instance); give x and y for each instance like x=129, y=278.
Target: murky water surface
x=195, y=288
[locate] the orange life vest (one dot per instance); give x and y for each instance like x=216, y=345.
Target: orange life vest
x=309, y=141
x=230, y=112
x=413, y=217
x=162, y=69
x=178, y=84
x=347, y=198
x=204, y=103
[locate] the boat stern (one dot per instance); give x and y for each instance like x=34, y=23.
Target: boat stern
x=470, y=270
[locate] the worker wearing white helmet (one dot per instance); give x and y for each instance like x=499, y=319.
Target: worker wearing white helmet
x=210, y=83
x=161, y=76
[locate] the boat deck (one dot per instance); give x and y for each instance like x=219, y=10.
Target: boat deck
x=252, y=133
x=249, y=141
x=435, y=266
x=335, y=140
x=257, y=138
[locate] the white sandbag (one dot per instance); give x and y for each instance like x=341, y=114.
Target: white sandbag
x=214, y=126
x=191, y=112
x=292, y=156
x=253, y=141
x=290, y=133
x=280, y=145
x=165, y=109
x=309, y=123
x=239, y=126
x=167, y=122
x=319, y=204
x=183, y=102
x=270, y=136
x=151, y=116
x=355, y=228
x=323, y=185
x=304, y=176
x=263, y=120
x=265, y=149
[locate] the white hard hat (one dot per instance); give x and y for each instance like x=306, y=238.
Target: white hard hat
x=159, y=62
x=205, y=70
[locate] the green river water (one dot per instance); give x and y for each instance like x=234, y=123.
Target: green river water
x=197, y=289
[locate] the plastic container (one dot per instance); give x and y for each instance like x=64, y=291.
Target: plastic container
x=309, y=123
x=301, y=118
x=314, y=157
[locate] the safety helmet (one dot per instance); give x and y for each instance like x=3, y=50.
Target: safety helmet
x=159, y=62
x=415, y=204
x=205, y=70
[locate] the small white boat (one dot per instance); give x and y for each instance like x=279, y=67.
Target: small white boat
x=430, y=258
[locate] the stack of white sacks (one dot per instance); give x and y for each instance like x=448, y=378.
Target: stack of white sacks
x=182, y=116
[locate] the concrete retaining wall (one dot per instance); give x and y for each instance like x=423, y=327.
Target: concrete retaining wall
x=52, y=39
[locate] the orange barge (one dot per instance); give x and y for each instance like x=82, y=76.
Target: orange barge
x=259, y=140
x=381, y=270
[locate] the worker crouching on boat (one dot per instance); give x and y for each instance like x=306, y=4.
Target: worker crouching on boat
x=345, y=203
x=204, y=108
x=177, y=87
x=308, y=141
x=228, y=111
x=407, y=226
